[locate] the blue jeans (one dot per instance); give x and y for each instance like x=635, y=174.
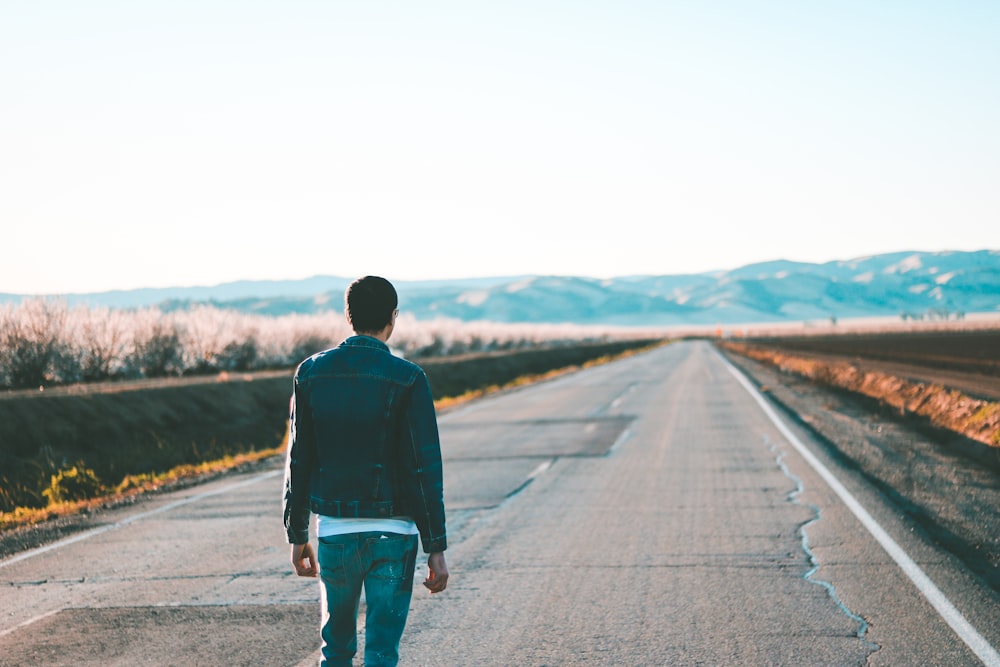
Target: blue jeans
x=381, y=562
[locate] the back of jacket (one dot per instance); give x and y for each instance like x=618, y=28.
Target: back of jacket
x=364, y=442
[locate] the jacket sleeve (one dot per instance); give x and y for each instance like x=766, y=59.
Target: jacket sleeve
x=422, y=479
x=298, y=469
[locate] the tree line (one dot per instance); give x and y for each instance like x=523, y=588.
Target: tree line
x=45, y=342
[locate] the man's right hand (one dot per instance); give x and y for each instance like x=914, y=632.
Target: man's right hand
x=304, y=560
x=437, y=577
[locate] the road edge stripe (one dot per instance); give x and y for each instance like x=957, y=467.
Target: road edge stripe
x=79, y=537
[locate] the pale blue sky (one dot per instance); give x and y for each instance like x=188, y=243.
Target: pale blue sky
x=177, y=143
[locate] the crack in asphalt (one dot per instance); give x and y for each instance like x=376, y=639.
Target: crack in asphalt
x=793, y=497
x=230, y=576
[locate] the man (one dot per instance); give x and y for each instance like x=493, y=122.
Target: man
x=365, y=457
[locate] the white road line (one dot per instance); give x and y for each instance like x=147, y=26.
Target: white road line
x=29, y=622
x=982, y=648
x=541, y=468
x=619, y=441
x=135, y=517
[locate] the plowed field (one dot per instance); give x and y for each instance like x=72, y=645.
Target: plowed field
x=968, y=361
x=949, y=377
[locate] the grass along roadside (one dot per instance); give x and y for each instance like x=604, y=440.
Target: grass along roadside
x=133, y=485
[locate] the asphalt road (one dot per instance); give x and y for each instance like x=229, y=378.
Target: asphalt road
x=645, y=512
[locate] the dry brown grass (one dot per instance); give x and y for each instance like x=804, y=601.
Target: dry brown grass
x=131, y=486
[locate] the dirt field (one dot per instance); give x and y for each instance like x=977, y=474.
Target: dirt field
x=950, y=377
x=976, y=351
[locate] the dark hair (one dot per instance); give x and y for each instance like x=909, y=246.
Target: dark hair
x=370, y=303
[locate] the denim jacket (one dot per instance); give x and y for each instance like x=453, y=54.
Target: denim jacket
x=363, y=442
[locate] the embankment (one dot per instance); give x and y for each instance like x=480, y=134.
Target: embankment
x=118, y=431
x=976, y=419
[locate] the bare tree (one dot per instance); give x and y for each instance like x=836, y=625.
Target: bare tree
x=102, y=335
x=156, y=347
x=30, y=339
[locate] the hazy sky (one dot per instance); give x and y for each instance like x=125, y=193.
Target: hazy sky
x=195, y=142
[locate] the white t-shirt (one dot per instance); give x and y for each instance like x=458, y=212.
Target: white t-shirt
x=328, y=525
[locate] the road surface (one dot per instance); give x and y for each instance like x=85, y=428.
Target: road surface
x=652, y=511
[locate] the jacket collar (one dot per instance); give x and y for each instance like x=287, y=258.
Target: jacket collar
x=365, y=341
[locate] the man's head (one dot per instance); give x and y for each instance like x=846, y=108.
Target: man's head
x=370, y=304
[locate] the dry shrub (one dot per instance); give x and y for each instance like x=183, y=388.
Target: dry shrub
x=72, y=484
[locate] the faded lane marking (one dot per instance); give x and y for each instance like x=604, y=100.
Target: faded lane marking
x=966, y=632
x=136, y=517
x=539, y=470
x=542, y=467
x=625, y=435
x=25, y=624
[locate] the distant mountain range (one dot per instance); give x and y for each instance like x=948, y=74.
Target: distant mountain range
x=918, y=284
